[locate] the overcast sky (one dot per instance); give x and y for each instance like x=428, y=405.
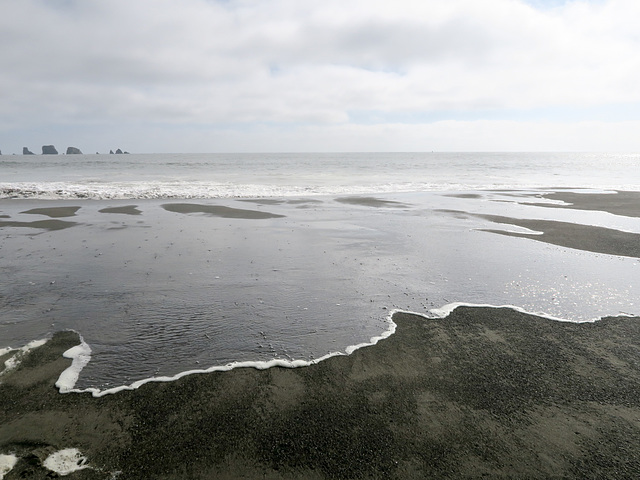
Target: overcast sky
x=320, y=75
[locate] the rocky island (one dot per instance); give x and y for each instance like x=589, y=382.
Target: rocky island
x=49, y=150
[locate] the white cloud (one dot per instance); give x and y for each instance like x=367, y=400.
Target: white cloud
x=450, y=135
x=314, y=63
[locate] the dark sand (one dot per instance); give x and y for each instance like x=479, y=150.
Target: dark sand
x=619, y=203
x=565, y=234
x=370, y=202
x=124, y=210
x=219, y=211
x=42, y=224
x=573, y=235
x=51, y=212
x=54, y=212
x=483, y=393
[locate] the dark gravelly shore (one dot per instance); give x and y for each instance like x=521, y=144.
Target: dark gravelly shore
x=483, y=393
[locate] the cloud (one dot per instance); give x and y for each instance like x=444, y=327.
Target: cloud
x=261, y=62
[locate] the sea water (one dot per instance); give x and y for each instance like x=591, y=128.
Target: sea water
x=291, y=174
x=288, y=257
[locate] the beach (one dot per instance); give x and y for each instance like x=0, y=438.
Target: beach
x=359, y=333
x=484, y=392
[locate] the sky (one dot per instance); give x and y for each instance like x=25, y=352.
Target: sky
x=320, y=75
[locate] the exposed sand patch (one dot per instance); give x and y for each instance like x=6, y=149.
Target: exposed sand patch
x=219, y=211
x=54, y=212
x=43, y=224
x=124, y=210
x=371, y=202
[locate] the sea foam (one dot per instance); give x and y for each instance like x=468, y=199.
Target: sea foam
x=145, y=190
x=64, y=462
x=81, y=355
x=7, y=462
x=13, y=361
x=447, y=309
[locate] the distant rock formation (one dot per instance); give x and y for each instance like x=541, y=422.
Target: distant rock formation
x=110, y=152
x=73, y=151
x=118, y=152
x=49, y=150
x=26, y=151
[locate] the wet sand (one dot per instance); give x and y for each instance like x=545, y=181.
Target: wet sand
x=588, y=238
x=370, y=202
x=578, y=236
x=485, y=392
x=50, y=225
x=618, y=203
x=581, y=237
x=218, y=211
x=123, y=210
x=54, y=212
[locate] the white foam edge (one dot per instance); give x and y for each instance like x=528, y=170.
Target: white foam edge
x=80, y=356
x=207, y=190
x=447, y=309
x=67, y=379
x=440, y=312
x=13, y=361
x=66, y=461
x=7, y=462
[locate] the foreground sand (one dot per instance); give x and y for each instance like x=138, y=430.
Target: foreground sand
x=482, y=393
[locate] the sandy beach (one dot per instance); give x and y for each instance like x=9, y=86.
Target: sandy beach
x=485, y=392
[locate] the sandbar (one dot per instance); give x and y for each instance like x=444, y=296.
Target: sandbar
x=617, y=203
x=370, y=202
x=218, y=211
x=54, y=212
x=124, y=210
x=39, y=224
x=573, y=235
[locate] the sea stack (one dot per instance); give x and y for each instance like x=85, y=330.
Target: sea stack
x=49, y=150
x=73, y=151
x=119, y=152
x=26, y=151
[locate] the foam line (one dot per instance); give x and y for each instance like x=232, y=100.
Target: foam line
x=81, y=355
x=66, y=461
x=446, y=310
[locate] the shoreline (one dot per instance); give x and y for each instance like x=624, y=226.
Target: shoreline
x=80, y=354
x=484, y=391
x=157, y=271
x=498, y=391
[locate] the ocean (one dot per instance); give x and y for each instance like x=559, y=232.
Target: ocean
x=172, y=263
x=291, y=174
